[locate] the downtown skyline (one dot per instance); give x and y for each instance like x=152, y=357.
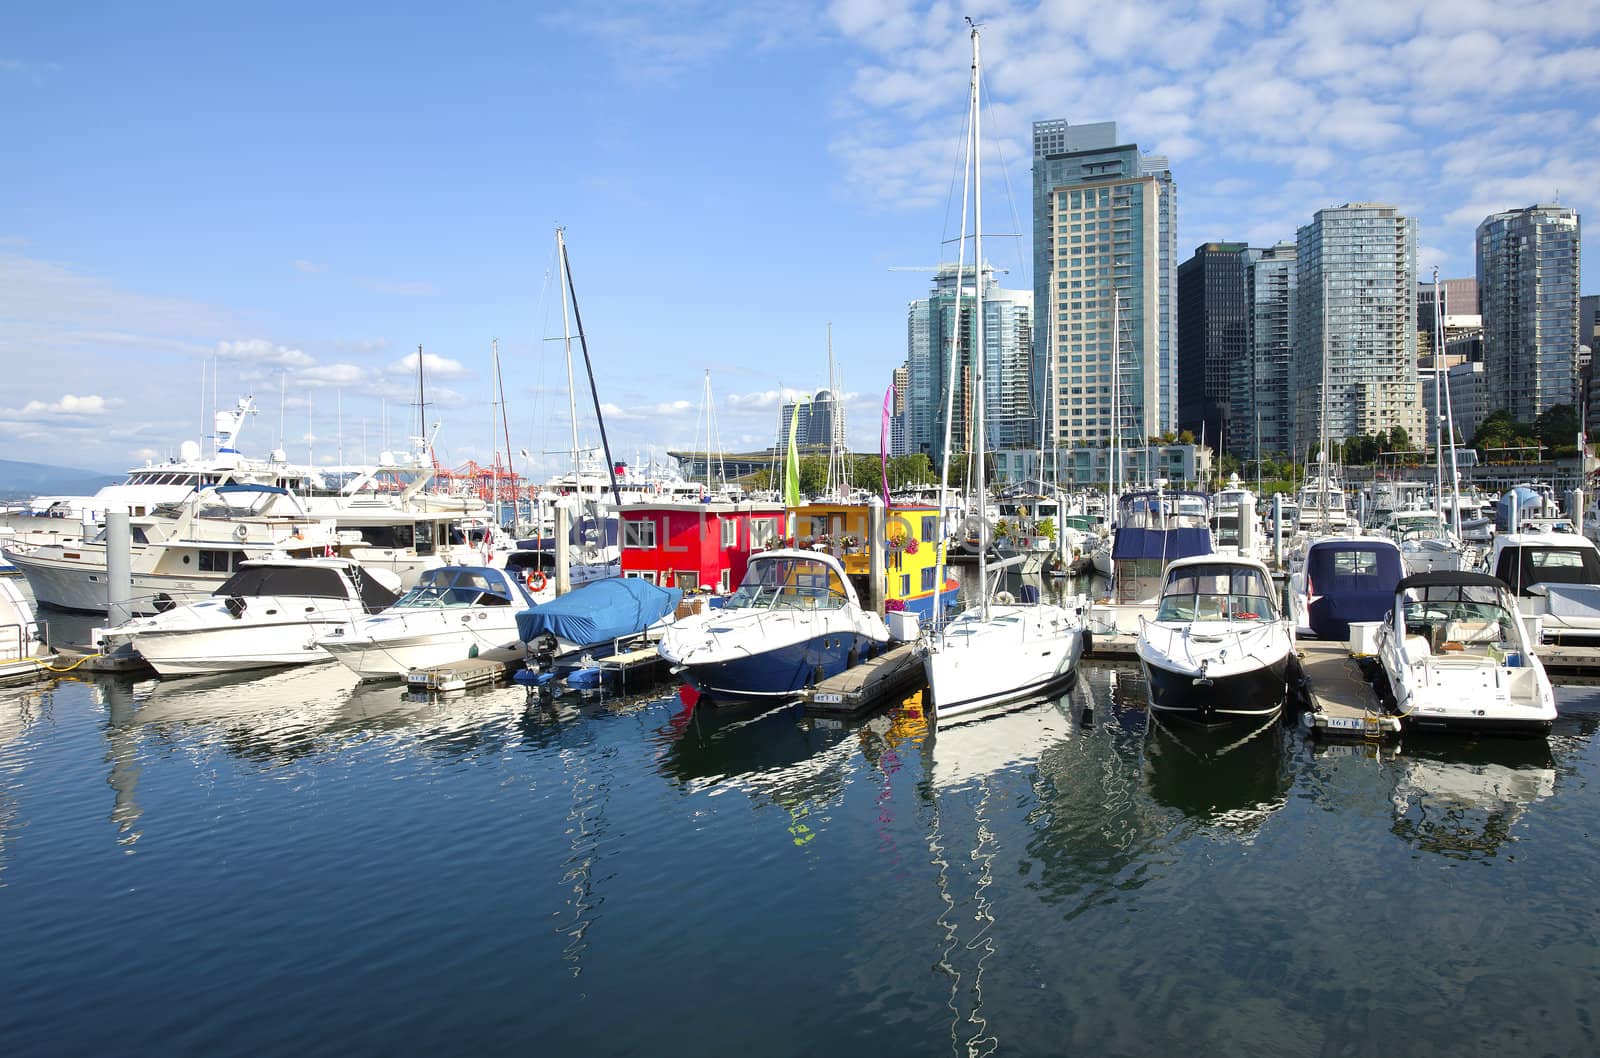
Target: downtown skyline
x=314, y=205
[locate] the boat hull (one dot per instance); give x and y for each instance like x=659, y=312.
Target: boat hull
x=212, y=650
x=385, y=656
x=1251, y=695
x=783, y=670
x=996, y=665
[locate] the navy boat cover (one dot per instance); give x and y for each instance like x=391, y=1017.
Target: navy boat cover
x=1350, y=580
x=1163, y=544
x=1522, y=499
x=600, y=611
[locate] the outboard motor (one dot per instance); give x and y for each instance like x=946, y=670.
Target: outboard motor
x=543, y=652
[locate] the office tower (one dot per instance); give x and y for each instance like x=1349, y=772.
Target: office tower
x=932, y=323
x=1460, y=310
x=1355, y=325
x=802, y=431
x=1271, y=279
x=1104, y=243
x=826, y=426
x=1528, y=291
x=897, y=411
x=1213, y=345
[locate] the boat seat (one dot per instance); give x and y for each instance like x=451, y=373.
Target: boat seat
x=1472, y=631
x=1417, y=648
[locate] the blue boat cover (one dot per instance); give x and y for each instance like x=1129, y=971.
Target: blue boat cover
x=600, y=611
x=1524, y=499
x=1162, y=544
x=1352, y=581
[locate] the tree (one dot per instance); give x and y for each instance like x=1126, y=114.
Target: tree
x=1399, y=440
x=1186, y=437
x=1558, y=427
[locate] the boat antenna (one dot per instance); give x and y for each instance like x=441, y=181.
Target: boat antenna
x=588, y=364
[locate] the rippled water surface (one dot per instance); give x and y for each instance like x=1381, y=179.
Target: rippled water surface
x=296, y=863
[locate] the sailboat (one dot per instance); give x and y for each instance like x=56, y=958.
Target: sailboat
x=999, y=651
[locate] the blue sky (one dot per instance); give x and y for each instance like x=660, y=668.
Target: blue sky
x=313, y=191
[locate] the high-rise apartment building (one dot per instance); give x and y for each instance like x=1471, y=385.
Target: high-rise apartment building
x=1214, y=344
x=946, y=315
x=1460, y=305
x=1104, y=243
x=897, y=411
x=1272, y=283
x=1355, y=325
x=1528, y=292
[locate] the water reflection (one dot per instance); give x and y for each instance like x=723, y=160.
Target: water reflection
x=1232, y=777
x=1464, y=800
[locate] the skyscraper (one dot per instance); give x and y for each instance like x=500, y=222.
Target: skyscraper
x=1104, y=239
x=1214, y=344
x=1528, y=293
x=897, y=411
x=931, y=325
x=1271, y=279
x=1355, y=324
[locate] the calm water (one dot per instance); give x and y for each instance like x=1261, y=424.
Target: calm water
x=300, y=864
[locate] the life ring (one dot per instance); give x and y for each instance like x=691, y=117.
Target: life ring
x=536, y=581
x=242, y=531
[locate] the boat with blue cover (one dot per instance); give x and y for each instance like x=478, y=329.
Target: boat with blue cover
x=1344, y=579
x=794, y=621
x=1154, y=529
x=592, y=621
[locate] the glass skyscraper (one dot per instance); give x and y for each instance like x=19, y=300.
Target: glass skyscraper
x=1214, y=344
x=1529, y=297
x=1104, y=239
x=1355, y=307
x=1272, y=285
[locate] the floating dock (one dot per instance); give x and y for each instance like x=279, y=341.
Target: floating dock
x=456, y=676
x=1340, y=701
x=870, y=684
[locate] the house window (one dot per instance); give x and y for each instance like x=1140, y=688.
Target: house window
x=730, y=532
x=725, y=583
x=905, y=585
x=641, y=574
x=639, y=534
x=687, y=579
x=763, y=531
x=927, y=578
x=930, y=526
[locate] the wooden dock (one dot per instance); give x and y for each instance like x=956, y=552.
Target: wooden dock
x=1340, y=701
x=1112, y=648
x=456, y=676
x=872, y=683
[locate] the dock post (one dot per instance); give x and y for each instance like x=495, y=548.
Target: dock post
x=1247, y=525
x=1575, y=508
x=119, y=567
x=563, y=549
x=875, y=548
x=1277, y=529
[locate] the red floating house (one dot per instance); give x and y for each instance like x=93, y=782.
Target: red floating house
x=696, y=545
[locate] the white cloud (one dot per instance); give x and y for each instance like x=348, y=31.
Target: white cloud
x=260, y=352
x=769, y=398
x=330, y=375
x=432, y=363
x=68, y=405
x=309, y=267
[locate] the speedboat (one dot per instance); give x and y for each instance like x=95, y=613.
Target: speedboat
x=1218, y=649
x=271, y=612
x=1153, y=530
x=1343, y=579
x=453, y=613
x=1000, y=651
x=23, y=645
x=1557, y=577
x=1459, y=660
x=794, y=621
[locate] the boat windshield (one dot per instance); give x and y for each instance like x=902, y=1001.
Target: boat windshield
x=1460, y=613
x=455, y=586
x=1215, y=592
x=801, y=583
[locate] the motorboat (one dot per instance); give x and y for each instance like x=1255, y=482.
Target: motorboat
x=1555, y=576
x=1153, y=530
x=1426, y=543
x=1343, y=579
x=270, y=612
x=1458, y=658
x=595, y=621
x=1218, y=650
x=23, y=639
x=794, y=620
x=1322, y=505
x=451, y=614
x=180, y=553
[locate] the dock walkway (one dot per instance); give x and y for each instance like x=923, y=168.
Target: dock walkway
x=1340, y=702
x=867, y=685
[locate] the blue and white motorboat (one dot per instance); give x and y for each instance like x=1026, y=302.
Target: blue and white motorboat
x=1344, y=579
x=794, y=621
x=453, y=613
x=594, y=621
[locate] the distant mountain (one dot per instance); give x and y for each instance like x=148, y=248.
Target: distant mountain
x=21, y=480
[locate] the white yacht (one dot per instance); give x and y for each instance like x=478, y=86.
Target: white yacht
x=794, y=621
x=1555, y=576
x=452, y=613
x=1218, y=650
x=1322, y=506
x=23, y=639
x=269, y=613
x=1459, y=660
x=181, y=552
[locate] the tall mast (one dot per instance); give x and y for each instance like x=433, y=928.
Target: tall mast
x=1116, y=410
x=422, y=402
x=566, y=337
x=588, y=366
x=505, y=426
x=1327, y=345
x=978, y=349
x=1438, y=410
x=1450, y=412
x=954, y=361
x=494, y=434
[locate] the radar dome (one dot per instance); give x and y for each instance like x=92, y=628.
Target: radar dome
x=189, y=451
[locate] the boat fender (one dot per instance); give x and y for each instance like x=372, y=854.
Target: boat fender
x=1004, y=598
x=853, y=658
x=536, y=581
x=1088, y=641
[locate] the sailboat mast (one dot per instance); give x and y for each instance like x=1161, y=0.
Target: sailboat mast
x=505, y=426
x=1116, y=408
x=494, y=434
x=566, y=337
x=1438, y=410
x=1322, y=415
x=422, y=401
x=978, y=350
x=588, y=366
x=1450, y=411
